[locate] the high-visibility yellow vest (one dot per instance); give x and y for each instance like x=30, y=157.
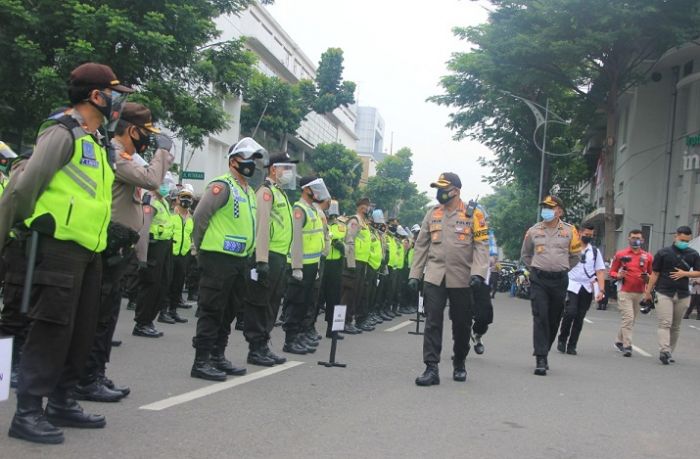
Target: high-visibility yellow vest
x=337, y=231
x=363, y=241
x=375, y=250
x=231, y=229
x=280, y=222
x=182, y=234
x=162, y=224
x=313, y=238
x=79, y=196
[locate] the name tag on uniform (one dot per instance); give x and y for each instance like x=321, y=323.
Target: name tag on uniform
x=539, y=249
x=434, y=227
x=234, y=246
x=88, y=158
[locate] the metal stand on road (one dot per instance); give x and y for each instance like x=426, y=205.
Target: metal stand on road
x=331, y=360
x=337, y=325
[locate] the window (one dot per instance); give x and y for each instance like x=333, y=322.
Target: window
x=620, y=187
x=646, y=234
x=688, y=68
x=624, y=128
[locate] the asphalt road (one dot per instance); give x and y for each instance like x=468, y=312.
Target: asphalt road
x=594, y=405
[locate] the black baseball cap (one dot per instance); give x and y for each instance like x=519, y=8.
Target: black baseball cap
x=92, y=75
x=446, y=180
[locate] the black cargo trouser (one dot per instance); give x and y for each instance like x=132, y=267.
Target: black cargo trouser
x=483, y=309
x=130, y=280
x=12, y=321
x=574, y=313
x=263, y=302
x=299, y=297
x=108, y=315
x=331, y=285
x=222, y=294
x=153, y=283
x=177, y=281
x=353, y=285
x=547, y=297
x=372, y=289
x=435, y=299
x=64, y=309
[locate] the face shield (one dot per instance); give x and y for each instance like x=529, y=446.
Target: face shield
x=286, y=174
x=318, y=187
x=378, y=217
x=115, y=107
x=401, y=232
x=6, y=157
x=334, y=209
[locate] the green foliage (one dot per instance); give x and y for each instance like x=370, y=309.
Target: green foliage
x=392, y=191
x=510, y=215
x=155, y=45
x=341, y=170
x=332, y=91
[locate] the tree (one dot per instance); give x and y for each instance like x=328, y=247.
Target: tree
x=332, y=91
x=510, y=216
x=595, y=49
x=155, y=45
x=341, y=170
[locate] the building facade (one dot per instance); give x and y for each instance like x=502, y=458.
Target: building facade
x=370, y=132
x=657, y=158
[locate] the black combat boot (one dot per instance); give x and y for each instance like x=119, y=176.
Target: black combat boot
x=29, y=422
x=258, y=356
x=63, y=411
x=221, y=363
x=279, y=360
x=96, y=391
x=176, y=317
x=203, y=369
x=125, y=390
x=165, y=318
x=460, y=370
x=292, y=346
x=541, y=365
x=430, y=377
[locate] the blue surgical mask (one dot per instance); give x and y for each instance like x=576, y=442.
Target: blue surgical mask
x=682, y=245
x=164, y=190
x=547, y=214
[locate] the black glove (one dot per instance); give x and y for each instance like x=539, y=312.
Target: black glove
x=338, y=245
x=164, y=142
x=263, y=270
x=413, y=284
x=477, y=282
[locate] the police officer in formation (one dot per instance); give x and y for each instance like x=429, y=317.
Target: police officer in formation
x=224, y=239
x=357, y=250
x=308, y=244
x=452, y=258
x=131, y=138
x=550, y=249
x=273, y=241
x=331, y=282
x=183, y=225
x=64, y=194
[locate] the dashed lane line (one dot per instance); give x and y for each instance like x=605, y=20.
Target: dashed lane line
x=693, y=326
x=640, y=351
x=217, y=387
x=399, y=326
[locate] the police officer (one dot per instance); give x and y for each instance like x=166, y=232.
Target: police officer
x=331, y=281
x=153, y=278
x=65, y=195
x=550, y=249
x=375, y=265
x=6, y=158
x=357, y=248
x=132, y=137
x=272, y=242
x=224, y=238
x=452, y=250
x=308, y=241
x=183, y=225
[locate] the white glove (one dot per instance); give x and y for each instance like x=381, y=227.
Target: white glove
x=298, y=274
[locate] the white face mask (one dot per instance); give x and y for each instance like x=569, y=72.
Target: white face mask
x=286, y=178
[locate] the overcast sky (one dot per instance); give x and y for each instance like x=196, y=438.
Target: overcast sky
x=396, y=50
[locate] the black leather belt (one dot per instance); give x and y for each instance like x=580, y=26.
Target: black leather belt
x=549, y=274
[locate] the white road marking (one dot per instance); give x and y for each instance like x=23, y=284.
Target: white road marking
x=693, y=326
x=588, y=321
x=217, y=387
x=640, y=351
x=401, y=325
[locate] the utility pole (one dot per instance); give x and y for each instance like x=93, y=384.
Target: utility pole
x=544, y=149
x=182, y=162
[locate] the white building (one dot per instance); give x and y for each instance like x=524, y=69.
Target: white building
x=370, y=131
x=657, y=160
x=278, y=55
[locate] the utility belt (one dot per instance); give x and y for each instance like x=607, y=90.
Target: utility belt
x=120, y=239
x=556, y=275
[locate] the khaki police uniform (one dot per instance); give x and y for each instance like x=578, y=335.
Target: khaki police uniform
x=549, y=253
x=357, y=242
x=451, y=248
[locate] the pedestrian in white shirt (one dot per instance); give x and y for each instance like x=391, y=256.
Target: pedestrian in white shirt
x=586, y=280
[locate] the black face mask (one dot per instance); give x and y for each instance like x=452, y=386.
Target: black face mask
x=246, y=167
x=107, y=109
x=142, y=143
x=587, y=239
x=443, y=197
x=393, y=228
x=185, y=203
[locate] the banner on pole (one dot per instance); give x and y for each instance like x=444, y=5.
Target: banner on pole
x=5, y=367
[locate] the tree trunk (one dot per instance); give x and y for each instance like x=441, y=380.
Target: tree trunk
x=608, y=153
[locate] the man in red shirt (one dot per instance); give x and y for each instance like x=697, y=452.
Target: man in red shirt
x=631, y=267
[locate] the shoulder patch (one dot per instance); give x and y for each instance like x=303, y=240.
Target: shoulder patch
x=216, y=189
x=298, y=213
x=147, y=209
x=267, y=196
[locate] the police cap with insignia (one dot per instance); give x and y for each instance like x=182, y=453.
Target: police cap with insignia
x=446, y=180
x=138, y=115
x=281, y=158
x=92, y=75
x=552, y=201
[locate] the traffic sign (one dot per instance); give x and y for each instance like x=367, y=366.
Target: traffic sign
x=192, y=175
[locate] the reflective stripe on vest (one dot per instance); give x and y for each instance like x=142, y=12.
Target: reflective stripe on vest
x=162, y=225
x=337, y=232
x=313, y=236
x=182, y=234
x=79, y=196
x=231, y=229
x=363, y=241
x=280, y=222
